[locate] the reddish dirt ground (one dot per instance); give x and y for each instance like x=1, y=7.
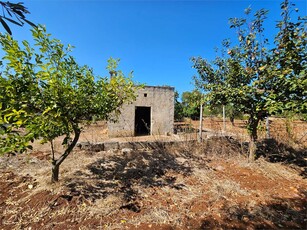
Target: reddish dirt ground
x=190, y=186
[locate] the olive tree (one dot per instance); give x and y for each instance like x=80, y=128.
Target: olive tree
x=56, y=94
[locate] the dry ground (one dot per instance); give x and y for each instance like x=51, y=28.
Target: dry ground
x=282, y=129
x=191, y=186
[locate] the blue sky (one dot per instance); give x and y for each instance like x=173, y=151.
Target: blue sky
x=155, y=39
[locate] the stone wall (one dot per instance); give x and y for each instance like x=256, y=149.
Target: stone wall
x=161, y=103
x=135, y=145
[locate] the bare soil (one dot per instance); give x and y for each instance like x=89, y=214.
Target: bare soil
x=190, y=186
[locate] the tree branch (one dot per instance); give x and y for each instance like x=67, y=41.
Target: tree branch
x=70, y=147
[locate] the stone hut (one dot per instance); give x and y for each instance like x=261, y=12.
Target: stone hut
x=152, y=113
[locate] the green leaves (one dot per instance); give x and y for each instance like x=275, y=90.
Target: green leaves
x=16, y=12
x=190, y=103
x=6, y=27
x=255, y=79
x=288, y=65
x=47, y=94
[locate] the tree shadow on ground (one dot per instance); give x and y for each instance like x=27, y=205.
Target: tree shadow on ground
x=279, y=213
x=275, y=151
x=122, y=174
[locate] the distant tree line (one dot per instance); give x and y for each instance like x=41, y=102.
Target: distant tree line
x=188, y=106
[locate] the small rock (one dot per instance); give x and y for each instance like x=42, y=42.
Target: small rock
x=181, y=160
x=219, y=168
x=84, y=145
x=33, y=161
x=111, y=146
x=126, y=150
x=30, y=186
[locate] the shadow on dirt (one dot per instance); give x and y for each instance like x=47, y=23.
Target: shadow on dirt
x=123, y=174
x=275, y=151
x=278, y=214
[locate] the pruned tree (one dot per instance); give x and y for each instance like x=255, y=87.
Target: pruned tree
x=57, y=95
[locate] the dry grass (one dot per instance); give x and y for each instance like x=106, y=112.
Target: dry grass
x=274, y=171
x=189, y=185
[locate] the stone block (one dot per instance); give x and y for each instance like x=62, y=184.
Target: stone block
x=97, y=147
x=123, y=145
x=111, y=146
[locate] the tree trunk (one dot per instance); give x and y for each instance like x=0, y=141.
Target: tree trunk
x=252, y=127
x=55, y=172
x=232, y=120
x=224, y=119
x=56, y=163
x=200, y=123
x=252, y=148
x=267, y=127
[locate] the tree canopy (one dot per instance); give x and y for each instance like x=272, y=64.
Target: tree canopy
x=46, y=94
x=256, y=79
x=287, y=65
x=178, y=108
x=190, y=102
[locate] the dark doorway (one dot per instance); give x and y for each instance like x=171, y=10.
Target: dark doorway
x=142, y=121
